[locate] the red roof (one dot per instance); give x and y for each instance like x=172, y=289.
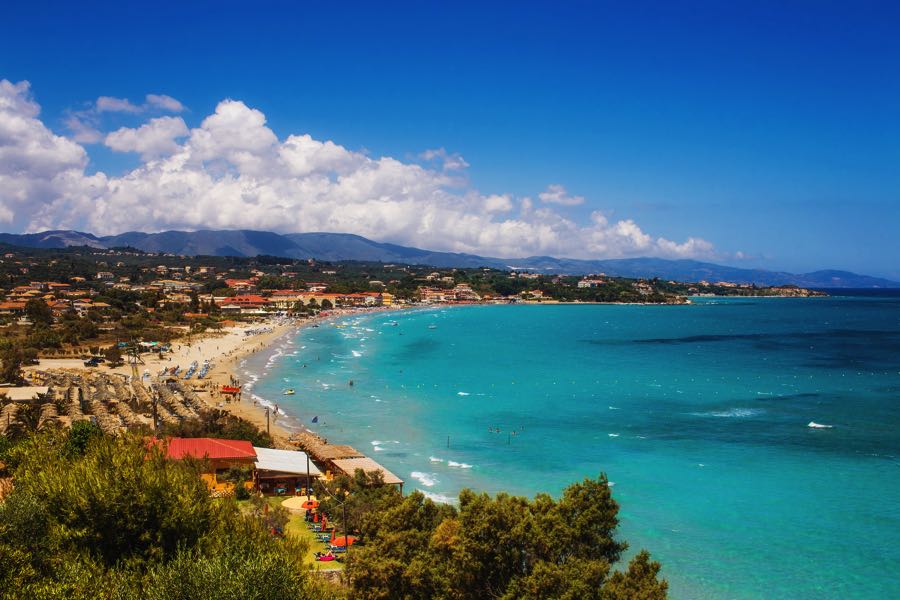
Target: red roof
x=211, y=448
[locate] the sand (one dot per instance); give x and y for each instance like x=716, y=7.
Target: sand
x=224, y=349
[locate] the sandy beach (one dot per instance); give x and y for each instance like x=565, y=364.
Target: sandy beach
x=224, y=349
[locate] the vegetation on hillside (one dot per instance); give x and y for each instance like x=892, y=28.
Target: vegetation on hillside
x=98, y=516
x=94, y=516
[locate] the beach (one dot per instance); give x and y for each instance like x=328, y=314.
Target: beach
x=224, y=349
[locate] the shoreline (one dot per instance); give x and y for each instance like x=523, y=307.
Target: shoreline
x=284, y=426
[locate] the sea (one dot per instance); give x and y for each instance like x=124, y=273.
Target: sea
x=753, y=444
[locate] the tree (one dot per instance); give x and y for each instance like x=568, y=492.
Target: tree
x=11, y=369
x=499, y=547
x=326, y=304
x=122, y=521
x=113, y=356
x=38, y=312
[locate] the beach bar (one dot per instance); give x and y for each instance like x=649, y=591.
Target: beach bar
x=342, y=459
x=284, y=471
x=221, y=455
x=348, y=466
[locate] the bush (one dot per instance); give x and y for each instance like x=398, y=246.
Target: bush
x=118, y=520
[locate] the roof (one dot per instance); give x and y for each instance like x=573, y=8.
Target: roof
x=350, y=465
x=211, y=448
x=322, y=450
x=284, y=461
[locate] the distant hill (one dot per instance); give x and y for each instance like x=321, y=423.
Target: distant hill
x=345, y=246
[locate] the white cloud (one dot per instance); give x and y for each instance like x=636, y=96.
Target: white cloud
x=110, y=104
x=152, y=140
x=84, y=125
x=556, y=194
x=449, y=161
x=234, y=172
x=498, y=203
x=83, y=131
x=163, y=102
x=35, y=163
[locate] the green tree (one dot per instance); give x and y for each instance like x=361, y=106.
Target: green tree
x=113, y=356
x=499, y=547
x=11, y=369
x=38, y=312
x=121, y=521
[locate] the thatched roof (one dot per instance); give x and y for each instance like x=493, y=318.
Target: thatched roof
x=322, y=451
x=350, y=465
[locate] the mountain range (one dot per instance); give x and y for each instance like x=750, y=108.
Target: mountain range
x=344, y=246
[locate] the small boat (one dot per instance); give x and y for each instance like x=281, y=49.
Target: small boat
x=432, y=327
x=814, y=425
x=288, y=392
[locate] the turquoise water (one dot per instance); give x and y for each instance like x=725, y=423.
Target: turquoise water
x=698, y=414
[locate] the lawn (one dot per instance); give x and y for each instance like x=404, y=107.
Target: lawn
x=296, y=527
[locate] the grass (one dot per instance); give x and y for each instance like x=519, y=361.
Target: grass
x=296, y=527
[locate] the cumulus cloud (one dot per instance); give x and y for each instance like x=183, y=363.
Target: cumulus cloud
x=152, y=140
x=557, y=194
x=232, y=171
x=84, y=125
x=36, y=165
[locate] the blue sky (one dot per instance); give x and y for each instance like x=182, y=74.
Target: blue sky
x=769, y=129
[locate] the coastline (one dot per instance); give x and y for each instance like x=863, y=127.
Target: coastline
x=227, y=366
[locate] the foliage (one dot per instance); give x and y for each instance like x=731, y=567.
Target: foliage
x=38, y=312
x=500, y=547
x=113, y=356
x=11, y=368
x=80, y=436
x=220, y=424
x=118, y=520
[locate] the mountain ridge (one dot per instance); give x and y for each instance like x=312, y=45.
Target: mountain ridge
x=335, y=247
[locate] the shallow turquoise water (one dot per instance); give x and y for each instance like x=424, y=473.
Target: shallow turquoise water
x=698, y=414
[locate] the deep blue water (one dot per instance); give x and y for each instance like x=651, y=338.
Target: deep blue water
x=698, y=414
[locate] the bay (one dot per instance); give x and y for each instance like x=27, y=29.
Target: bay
x=698, y=415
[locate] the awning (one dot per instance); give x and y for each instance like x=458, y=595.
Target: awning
x=289, y=462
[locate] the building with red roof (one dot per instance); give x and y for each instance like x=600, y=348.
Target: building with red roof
x=220, y=456
x=211, y=449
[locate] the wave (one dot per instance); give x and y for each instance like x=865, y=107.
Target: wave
x=262, y=401
x=356, y=354
x=613, y=434
x=426, y=479
x=814, y=425
x=462, y=393
x=435, y=459
x=458, y=465
x=732, y=413
x=439, y=498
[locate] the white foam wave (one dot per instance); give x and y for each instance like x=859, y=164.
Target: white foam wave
x=356, y=354
x=426, y=479
x=742, y=413
x=613, y=435
x=439, y=498
x=462, y=393
x=435, y=459
x=458, y=465
x=814, y=425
